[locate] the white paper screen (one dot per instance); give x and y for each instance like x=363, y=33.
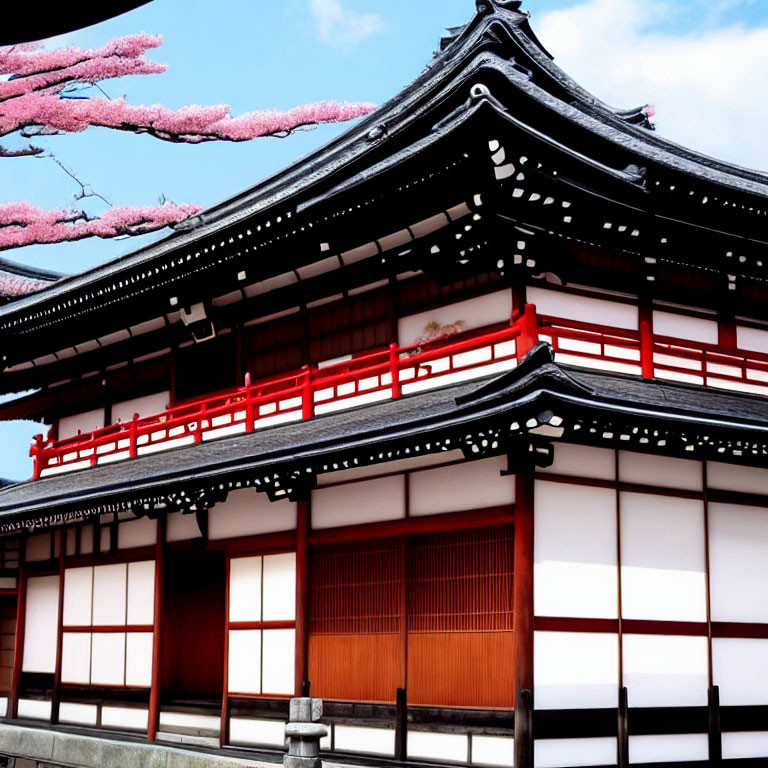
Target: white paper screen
x=278, y=661
x=279, y=587
x=245, y=589
x=108, y=658
x=664, y=671
x=141, y=592
x=41, y=627
x=78, y=587
x=109, y=594
x=575, y=670
x=740, y=668
x=575, y=569
x=244, y=661
x=738, y=542
x=663, y=559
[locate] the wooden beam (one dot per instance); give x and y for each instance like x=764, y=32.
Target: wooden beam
x=302, y=595
x=157, y=635
x=523, y=620
x=224, y=726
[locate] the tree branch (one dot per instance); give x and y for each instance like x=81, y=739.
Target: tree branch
x=29, y=151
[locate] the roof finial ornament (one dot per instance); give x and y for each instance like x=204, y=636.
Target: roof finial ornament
x=487, y=6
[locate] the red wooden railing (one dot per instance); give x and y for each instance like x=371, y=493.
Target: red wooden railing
x=380, y=375
x=389, y=373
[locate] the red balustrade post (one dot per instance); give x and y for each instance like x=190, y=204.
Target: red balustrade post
x=529, y=331
x=132, y=435
x=306, y=393
x=35, y=451
x=394, y=369
x=199, y=425
x=248, y=405
x=646, y=342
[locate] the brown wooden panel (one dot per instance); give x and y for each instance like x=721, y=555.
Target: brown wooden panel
x=355, y=667
x=193, y=621
x=466, y=669
x=7, y=641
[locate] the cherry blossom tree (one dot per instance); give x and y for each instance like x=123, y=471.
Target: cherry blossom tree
x=41, y=95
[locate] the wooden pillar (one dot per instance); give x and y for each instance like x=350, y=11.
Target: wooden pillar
x=302, y=596
x=224, y=727
x=18, y=648
x=646, y=339
x=56, y=699
x=522, y=621
x=157, y=635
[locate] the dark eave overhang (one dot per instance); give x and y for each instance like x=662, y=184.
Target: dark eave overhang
x=493, y=80
x=521, y=413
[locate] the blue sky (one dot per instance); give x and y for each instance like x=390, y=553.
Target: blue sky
x=701, y=62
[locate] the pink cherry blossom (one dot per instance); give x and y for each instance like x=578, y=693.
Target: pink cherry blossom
x=22, y=223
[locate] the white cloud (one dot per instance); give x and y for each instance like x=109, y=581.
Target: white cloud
x=708, y=87
x=337, y=25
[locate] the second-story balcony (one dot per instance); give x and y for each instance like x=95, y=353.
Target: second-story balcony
x=400, y=370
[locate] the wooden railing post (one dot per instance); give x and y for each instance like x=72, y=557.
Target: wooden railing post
x=132, y=435
x=646, y=342
x=199, y=425
x=529, y=331
x=394, y=369
x=306, y=393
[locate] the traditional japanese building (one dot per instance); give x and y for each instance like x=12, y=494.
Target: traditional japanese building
x=459, y=424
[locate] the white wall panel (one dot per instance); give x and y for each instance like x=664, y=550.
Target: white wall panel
x=663, y=471
x=493, y=750
x=474, y=313
x=41, y=627
x=105, y=539
x=279, y=587
x=753, y=339
x=733, y=477
x=108, y=658
x=149, y=405
x=575, y=569
x=668, y=748
x=138, y=659
x=745, y=744
x=245, y=588
x=181, y=527
x=109, y=593
x=663, y=560
x=85, y=422
x=575, y=670
x=141, y=592
x=244, y=661
x=71, y=541
x=472, y=485
x=86, y=540
x=583, y=308
x=664, y=671
x=76, y=657
x=685, y=327
x=740, y=668
x=583, y=461
x=438, y=746
x=278, y=661
x=38, y=547
x=738, y=565
x=564, y=753
x=34, y=709
x=247, y=730
x=373, y=741
x=366, y=501
x=80, y=714
x=136, y=533
x=78, y=592
x=247, y=512
x=130, y=718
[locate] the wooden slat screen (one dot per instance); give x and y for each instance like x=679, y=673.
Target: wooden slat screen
x=459, y=619
x=460, y=641
x=354, y=621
